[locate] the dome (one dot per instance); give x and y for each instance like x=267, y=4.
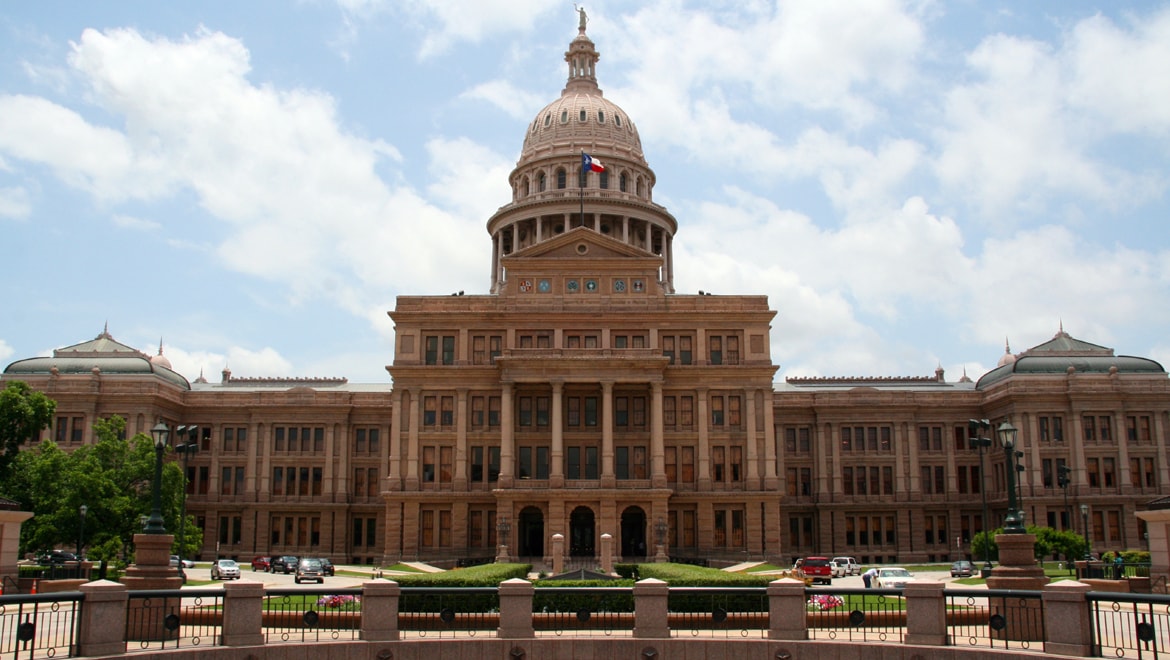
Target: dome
x=160, y=359
x=583, y=119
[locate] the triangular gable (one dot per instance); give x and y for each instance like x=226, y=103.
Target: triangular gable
x=103, y=345
x=1067, y=345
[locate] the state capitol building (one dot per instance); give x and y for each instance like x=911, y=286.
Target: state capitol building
x=583, y=396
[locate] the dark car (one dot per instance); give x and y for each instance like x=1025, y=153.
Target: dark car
x=261, y=563
x=283, y=564
x=327, y=566
x=310, y=569
x=962, y=568
x=56, y=557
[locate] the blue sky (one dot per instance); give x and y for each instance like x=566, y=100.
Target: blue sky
x=911, y=183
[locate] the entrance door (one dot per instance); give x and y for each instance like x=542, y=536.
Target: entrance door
x=530, y=535
x=581, y=532
x=634, y=532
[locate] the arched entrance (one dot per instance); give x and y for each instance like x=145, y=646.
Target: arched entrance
x=581, y=532
x=530, y=533
x=634, y=532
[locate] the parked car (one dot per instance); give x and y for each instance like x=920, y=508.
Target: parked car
x=56, y=557
x=261, y=563
x=283, y=564
x=327, y=566
x=185, y=563
x=892, y=578
x=962, y=568
x=850, y=564
x=310, y=569
x=817, y=568
x=837, y=568
x=225, y=569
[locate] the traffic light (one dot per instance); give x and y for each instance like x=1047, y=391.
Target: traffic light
x=1063, y=477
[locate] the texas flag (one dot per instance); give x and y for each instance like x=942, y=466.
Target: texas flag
x=590, y=164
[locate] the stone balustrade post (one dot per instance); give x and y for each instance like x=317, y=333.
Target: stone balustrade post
x=243, y=613
x=516, y=609
x=787, y=610
x=650, y=609
x=926, y=613
x=380, y=610
x=1066, y=619
x=103, y=619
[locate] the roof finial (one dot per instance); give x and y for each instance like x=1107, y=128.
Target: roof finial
x=160, y=345
x=1061, y=333
x=1007, y=347
x=105, y=331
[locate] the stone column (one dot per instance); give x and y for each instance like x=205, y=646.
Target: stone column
x=1066, y=619
x=752, y=471
x=926, y=614
x=657, y=443
x=558, y=553
x=607, y=454
x=557, y=458
x=1017, y=570
x=411, y=453
x=607, y=553
x=103, y=619
x=394, y=443
x=460, y=483
x=771, y=478
x=516, y=609
x=787, y=610
x=507, y=440
x=650, y=609
x=243, y=613
x=704, y=448
x=380, y=610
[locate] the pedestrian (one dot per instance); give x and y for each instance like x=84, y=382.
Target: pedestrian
x=1118, y=565
x=868, y=576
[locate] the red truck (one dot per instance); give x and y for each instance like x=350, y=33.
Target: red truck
x=816, y=568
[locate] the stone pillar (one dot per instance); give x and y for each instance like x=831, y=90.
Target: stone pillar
x=507, y=440
x=460, y=483
x=607, y=554
x=516, y=609
x=704, y=448
x=103, y=619
x=411, y=454
x=380, y=610
x=787, y=610
x=608, y=479
x=657, y=442
x=556, y=477
x=650, y=609
x=152, y=570
x=752, y=469
x=10, y=522
x=926, y=613
x=243, y=612
x=1017, y=570
x=1066, y=619
x=558, y=553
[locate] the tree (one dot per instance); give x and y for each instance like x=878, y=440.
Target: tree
x=113, y=478
x=24, y=413
x=1048, y=541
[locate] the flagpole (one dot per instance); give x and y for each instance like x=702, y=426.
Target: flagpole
x=581, y=186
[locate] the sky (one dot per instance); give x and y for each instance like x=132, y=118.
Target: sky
x=912, y=184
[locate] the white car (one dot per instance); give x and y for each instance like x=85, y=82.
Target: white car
x=838, y=569
x=225, y=569
x=849, y=564
x=892, y=578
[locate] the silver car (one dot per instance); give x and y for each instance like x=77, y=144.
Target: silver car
x=225, y=569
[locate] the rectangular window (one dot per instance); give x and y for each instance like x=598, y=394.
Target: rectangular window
x=846, y=480
x=733, y=418
x=717, y=411
x=669, y=412
x=478, y=417
x=428, y=464
x=671, y=459
x=542, y=410
x=590, y=411
x=686, y=413
x=448, y=350
x=447, y=411
x=493, y=411
x=278, y=481
x=1093, y=466
x=716, y=350
x=430, y=411
x=717, y=460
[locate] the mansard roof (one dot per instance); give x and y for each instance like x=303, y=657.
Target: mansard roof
x=101, y=355
x=1065, y=354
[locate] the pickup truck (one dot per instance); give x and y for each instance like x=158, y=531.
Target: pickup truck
x=817, y=569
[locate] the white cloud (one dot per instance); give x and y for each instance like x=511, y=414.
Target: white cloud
x=14, y=203
x=461, y=21
x=138, y=224
x=243, y=362
x=6, y=351
x=517, y=103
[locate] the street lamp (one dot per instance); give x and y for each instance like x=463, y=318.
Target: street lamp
x=660, y=531
x=154, y=524
x=503, y=528
x=1012, y=523
x=82, y=510
x=1063, y=477
x=1088, y=543
x=975, y=429
x=185, y=449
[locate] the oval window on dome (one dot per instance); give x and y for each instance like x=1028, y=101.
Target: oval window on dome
x=564, y=116
x=583, y=116
x=617, y=119
x=600, y=116
x=547, y=119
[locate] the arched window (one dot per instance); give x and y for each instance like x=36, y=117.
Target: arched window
x=527, y=187
x=560, y=179
x=622, y=182
x=617, y=119
x=564, y=116
x=540, y=185
x=581, y=179
x=547, y=119
x=605, y=180
x=638, y=186
x=601, y=116
x=582, y=116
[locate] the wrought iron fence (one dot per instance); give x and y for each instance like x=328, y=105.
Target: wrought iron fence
x=1129, y=625
x=311, y=615
x=583, y=611
x=729, y=612
x=856, y=615
x=173, y=618
x=448, y=612
x=39, y=625
x=996, y=618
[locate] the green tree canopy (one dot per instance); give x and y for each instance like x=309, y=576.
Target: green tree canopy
x=24, y=413
x=113, y=478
